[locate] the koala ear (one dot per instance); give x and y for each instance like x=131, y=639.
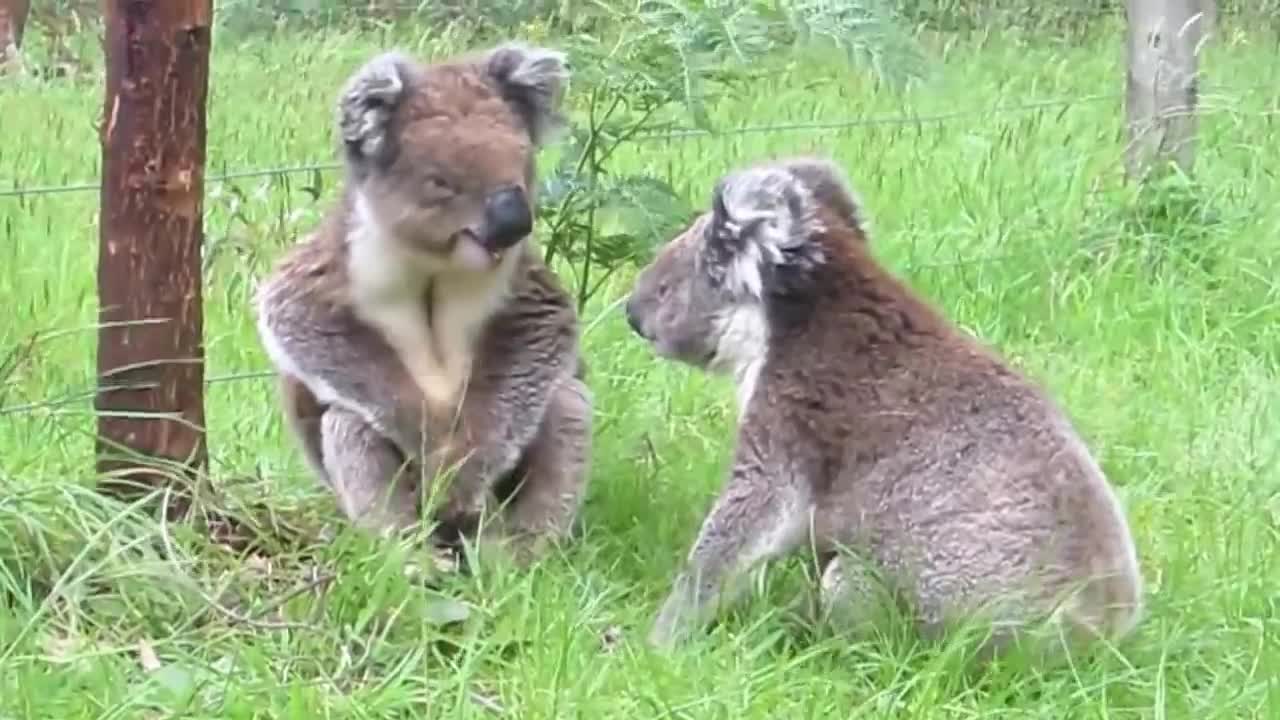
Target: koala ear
x=828, y=186
x=366, y=104
x=534, y=81
x=722, y=227
x=733, y=259
x=765, y=205
x=762, y=230
x=725, y=233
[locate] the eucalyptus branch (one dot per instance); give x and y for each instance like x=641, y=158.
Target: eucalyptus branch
x=652, y=57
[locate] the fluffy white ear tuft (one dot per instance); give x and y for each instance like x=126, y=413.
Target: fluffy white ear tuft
x=366, y=103
x=829, y=186
x=534, y=80
x=762, y=220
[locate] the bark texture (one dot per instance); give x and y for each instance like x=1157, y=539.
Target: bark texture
x=150, y=345
x=13, y=22
x=1165, y=39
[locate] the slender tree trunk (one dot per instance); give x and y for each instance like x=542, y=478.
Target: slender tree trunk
x=1165, y=39
x=150, y=348
x=13, y=22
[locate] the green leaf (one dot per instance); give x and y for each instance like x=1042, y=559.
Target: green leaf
x=646, y=208
x=178, y=683
x=867, y=32
x=445, y=611
x=652, y=64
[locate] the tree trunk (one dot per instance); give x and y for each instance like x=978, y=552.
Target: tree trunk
x=1165, y=39
x=150, y=345
x=13, y=22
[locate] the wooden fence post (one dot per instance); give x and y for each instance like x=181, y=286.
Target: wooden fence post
x=13, y=22
x=1165, y=39
x=150, y=398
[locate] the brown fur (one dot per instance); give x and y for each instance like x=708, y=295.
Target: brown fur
x=400, y=358
x=873, y=431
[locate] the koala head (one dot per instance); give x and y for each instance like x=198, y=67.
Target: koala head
x=441, y=157
x=703, y=300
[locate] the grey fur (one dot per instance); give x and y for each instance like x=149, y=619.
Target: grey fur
x=517, y=439
x=368, y=101
x=528, y=407
x=874, y=432
x=535, y=80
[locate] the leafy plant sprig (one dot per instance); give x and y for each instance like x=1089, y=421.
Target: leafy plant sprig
x=653, y=65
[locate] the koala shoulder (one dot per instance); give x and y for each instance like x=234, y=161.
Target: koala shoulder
x=313, y=271
x=537, y=328
x=307, y=324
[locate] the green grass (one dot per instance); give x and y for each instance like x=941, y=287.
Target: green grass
x=1156, y=322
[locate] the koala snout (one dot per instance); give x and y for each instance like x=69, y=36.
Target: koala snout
x=633, y=318
x=507, y=218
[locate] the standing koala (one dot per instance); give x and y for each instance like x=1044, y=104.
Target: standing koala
x=417, y=330
x=874, y=431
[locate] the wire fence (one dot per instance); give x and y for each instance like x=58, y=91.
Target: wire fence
x=671, y=135
x=16, y=190
x=88, y=392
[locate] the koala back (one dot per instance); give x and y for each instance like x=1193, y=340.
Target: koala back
x=949, y=465
x=918, y=444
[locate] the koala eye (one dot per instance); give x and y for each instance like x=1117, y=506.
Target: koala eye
x=663, y=288
x=436, y=188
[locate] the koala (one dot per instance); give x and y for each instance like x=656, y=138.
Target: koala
x=416, y=333
x=910, y=461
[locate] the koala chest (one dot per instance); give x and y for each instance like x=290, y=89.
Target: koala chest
x=434, y=331
x=434, y=342
x=429, y=313
x=437, y=372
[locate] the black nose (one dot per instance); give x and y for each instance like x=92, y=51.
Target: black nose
x=507, y=218
x=633, y=319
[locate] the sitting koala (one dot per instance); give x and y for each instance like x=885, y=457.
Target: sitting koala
x=873, y=431
x=417, y=329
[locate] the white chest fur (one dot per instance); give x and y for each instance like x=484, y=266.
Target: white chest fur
x=435, y=340
x=741, y=349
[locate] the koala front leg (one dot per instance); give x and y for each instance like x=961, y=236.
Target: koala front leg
x=499, y=424
x=376, y=489
x=547, y=499
x=469, y=467
x=760, y=515
x=527, y=352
